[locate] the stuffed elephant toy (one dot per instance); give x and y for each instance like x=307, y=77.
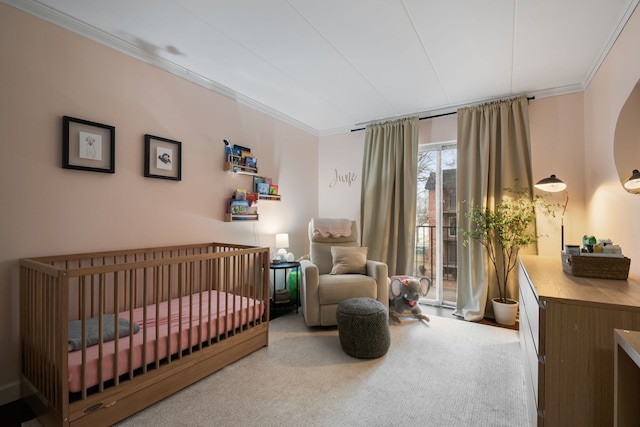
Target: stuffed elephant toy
x=404, y=293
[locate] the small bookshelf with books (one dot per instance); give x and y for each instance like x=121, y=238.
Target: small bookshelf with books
x=238, y=158
x=265, y=188
x=242, y=206
x=241, y=209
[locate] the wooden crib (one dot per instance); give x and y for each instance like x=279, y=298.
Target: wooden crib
x=104, y=335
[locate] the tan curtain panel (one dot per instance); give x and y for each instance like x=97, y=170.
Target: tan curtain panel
x=388, y=204
x=493, y=154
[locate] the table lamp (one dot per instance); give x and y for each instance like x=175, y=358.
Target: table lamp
x=555, y=185
x=282, y=242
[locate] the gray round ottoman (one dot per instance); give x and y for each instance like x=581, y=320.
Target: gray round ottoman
x=363, y=327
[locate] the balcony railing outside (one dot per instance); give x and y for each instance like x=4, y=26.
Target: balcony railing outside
x=425, y=259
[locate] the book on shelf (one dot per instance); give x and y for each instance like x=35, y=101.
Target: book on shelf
x=243, y=156
x=263, y=188
x=241, y=148
x=252, y=198
x=250, y=162
x=257, y=180
x=240, y=194
x=236, y=156
x=238, y=207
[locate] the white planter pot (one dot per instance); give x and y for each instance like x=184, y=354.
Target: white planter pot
x=505, y=312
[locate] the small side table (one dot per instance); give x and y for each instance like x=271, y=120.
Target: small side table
x=284, y=266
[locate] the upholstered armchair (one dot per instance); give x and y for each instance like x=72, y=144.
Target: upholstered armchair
x=338, y=269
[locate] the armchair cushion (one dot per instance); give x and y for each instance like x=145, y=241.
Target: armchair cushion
x=334, y=289
x=349, y=260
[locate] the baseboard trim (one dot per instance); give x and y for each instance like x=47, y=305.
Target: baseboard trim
x=9, y=392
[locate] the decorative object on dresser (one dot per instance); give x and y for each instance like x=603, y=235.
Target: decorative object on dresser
x=502, y=232
x=567, y=333
x=603, y=266
x=599, y=259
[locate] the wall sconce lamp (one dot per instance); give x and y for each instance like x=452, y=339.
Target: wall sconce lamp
x=633, y=182
x=282, y=242
x=555, y=185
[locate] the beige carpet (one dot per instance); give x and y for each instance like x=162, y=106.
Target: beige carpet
x=446, y=373
x=449, y=373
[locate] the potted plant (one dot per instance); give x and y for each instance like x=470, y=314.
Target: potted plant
x=503, y=231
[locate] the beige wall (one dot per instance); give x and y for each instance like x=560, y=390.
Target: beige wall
x=340, y=166
x=47, y=72
x=611, y=212
x=340, y=175
x=557, y=135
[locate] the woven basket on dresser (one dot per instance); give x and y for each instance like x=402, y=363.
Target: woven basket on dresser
x=599, y=267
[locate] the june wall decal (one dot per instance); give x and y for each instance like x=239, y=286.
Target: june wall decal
x=344, y=178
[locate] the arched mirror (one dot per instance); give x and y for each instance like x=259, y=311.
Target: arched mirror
x=626, y=143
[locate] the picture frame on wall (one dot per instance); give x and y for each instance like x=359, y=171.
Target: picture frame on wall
x=88, y=145
x=162, y=158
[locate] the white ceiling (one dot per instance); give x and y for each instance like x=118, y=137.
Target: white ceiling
x=328, y=66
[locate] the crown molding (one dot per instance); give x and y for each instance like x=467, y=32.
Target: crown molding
x=40, y=10
x=612, y=40
x=74, y=25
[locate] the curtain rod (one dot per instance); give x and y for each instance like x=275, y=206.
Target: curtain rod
x=529, y=98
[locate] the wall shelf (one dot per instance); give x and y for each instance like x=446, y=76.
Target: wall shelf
x=228, y=217
x=234, y=164
x=240, y=169
x=269, y=197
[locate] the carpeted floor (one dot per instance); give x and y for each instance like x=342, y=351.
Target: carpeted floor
x=446, y=373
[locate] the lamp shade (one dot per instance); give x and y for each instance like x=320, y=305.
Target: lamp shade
x=551, y=184
x=633, y=182
x=282, y=240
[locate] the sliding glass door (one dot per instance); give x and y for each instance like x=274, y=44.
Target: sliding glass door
x=436, y=226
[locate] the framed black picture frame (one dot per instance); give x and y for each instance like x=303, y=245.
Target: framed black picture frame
x=88, y=146
x=162, y=158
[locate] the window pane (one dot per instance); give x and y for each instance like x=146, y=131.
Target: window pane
x=436, y=231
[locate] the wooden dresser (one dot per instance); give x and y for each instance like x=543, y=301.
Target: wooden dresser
x=567, y=338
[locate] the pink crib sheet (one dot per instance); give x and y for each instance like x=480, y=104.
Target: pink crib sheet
x=184, y=331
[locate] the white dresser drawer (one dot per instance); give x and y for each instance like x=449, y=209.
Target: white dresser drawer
x=530, y=308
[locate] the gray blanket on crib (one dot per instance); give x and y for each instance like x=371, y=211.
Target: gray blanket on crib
x=92, y=330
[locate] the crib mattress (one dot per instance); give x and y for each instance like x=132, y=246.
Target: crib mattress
x=165, y=329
